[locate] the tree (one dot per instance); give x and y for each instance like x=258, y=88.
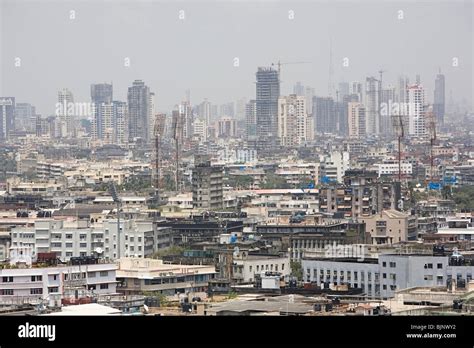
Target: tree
x=137, y=183
x=172, y=250
x=274, y=181
x=162, y=299
x=296, y=269
x=463, y=196
x=231, y=295
x=244, y=181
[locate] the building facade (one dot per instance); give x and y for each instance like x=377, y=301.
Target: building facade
x=267, y=94
x=207, y=182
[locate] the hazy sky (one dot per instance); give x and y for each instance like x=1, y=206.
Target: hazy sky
x=172, y=55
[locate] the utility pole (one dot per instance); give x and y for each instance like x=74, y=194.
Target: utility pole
x=177, y=136
x=158, y=132
x=118, y=201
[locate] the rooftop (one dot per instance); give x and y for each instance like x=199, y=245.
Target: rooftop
x=86, y=309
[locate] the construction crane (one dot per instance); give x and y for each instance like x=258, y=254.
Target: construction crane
x=158, y=131
x=279, y=64
x=176, y=128
x=397, y=122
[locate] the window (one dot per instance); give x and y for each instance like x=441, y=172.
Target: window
x=37, y=291
x=104, y=273
x=258, y=267
x=132, y=248
x=92, y=274
x=68, y=236
x=68, y=245
x=55, y=277
x=440, y=265
x=393, y=264
x=250, y=268
x=384, y=287
x=139, y=239
x=36, y=278
x=7, y=279
x=6, y=292
x=428, y=265
x=132, y=239
x=53, y=289
x=384, y=275
x=428, y=277
x=139, y=248
x=104, y=286
x=384, y=264
x=282, y=266
x=69, y=254
x=83, y=245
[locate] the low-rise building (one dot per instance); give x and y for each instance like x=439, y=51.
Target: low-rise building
x=247, y=265
x=381, y=277
x=136, y=275
x=389, y=226
x=33, y=285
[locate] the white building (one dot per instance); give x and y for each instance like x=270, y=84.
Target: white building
x=246, y=265
x=334, y=165
x=380, y=278
x=30, y=285
x=293, y=122
x=391, y=168
x=200, y=129
x=357, y=120
x=79, y=238
x=63, y=111
x=415, y=99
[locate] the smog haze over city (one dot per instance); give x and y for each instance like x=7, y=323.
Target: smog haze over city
x=197, y=52
x=237, y=158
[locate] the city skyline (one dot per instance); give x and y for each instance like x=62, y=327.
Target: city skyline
x=213, y=74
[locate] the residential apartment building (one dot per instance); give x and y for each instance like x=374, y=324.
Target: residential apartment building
x=137, y=238
x=294, y=125
x=356, y=120
x=37, y=284
x=207, y=184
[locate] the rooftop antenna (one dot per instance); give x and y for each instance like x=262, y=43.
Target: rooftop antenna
x=118, y=201
x=158, y=131
x=176, y=127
